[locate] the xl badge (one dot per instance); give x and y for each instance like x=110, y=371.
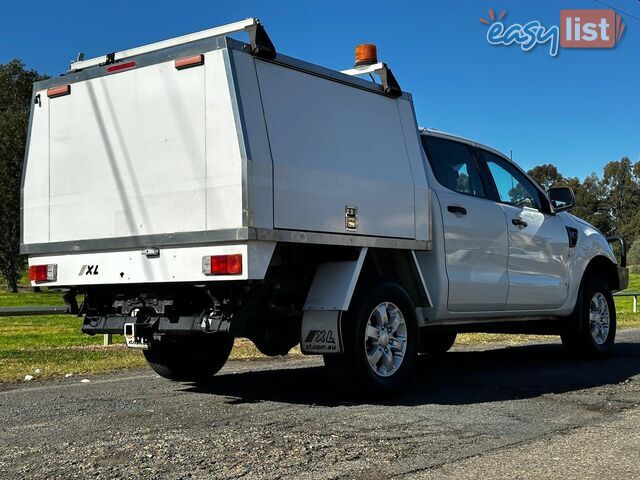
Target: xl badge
x=88, y=270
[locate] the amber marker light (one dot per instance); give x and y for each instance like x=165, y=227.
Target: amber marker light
x=59, y=91
x=187, y=62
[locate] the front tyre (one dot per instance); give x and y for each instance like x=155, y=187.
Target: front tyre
x=380, y=336
x=591, y=330
x=191, y=358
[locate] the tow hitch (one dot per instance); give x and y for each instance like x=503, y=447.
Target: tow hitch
x=134, y=336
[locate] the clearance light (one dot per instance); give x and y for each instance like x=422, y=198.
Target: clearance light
x=187, y=62
x=121, y=66
x=60, y=91
x=43, y=273
x=222, y=265
x=366, y=54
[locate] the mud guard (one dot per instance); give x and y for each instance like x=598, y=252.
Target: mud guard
x=330, y=294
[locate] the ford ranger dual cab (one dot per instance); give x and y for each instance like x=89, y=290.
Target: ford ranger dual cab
x=200, y=189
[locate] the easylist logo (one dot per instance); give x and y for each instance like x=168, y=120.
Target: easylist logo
x=590, y=28
x=577, y=29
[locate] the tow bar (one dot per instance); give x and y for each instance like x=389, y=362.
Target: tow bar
x=133, y=336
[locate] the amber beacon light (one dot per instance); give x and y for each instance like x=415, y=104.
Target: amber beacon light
x=366, y=54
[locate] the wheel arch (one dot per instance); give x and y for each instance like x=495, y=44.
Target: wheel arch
x=604, y=267
x=400, y=266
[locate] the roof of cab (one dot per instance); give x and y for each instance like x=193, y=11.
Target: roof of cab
x=438, y=133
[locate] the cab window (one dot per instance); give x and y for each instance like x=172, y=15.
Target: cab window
x=513, y=187
x=454, y=166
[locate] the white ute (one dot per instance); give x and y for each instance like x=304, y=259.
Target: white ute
x=200, y=189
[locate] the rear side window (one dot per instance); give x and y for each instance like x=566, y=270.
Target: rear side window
x=454, y=166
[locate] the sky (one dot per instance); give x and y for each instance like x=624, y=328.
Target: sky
x=578, y=110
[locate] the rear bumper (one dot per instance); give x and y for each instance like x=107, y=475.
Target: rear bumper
x=115, y=324
x=152, y=265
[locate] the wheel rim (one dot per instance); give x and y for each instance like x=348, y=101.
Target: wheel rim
x=385, y=339
x=599, y=319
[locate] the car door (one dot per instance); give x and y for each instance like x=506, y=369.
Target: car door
x=538, y=242
x=474, y=228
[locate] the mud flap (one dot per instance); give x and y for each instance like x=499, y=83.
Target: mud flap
x=320, y=332
x=330, y=294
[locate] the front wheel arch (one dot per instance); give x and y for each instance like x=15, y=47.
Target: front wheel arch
x=602, y=267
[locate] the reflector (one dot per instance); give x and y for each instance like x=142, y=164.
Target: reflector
x=192, y=61
x=59, y=91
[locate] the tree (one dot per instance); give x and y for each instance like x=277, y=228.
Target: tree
x=591, y=203
x=15, y=102
x=546, y=175
x=633, y=257
x=622, y=196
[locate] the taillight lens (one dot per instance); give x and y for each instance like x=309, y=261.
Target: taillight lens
x=222, y=265
x=43, y=273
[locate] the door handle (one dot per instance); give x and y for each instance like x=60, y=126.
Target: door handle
x=457, y=209
x=518, y=222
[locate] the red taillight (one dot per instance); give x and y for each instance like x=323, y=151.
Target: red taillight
x=222, y=265
x=192, y=61
x=121, y=66
x=43, y=273
x=59, y=91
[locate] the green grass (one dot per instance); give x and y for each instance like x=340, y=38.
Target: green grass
x=56, y=346
x=28, y=299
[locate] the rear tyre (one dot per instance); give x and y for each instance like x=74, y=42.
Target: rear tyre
x=591, y=329
x=193, y=359
x=380, y=336
x=437, y=343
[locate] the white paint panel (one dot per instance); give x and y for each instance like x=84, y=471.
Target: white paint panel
x=173, y=265
x=259, y=166
x=224, y=165
x=476, y=252
x=140, y=152
x=36, y=188
x=417, y=161
x=335, y=145
x=539, y=260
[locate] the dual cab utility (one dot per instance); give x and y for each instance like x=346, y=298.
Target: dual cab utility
x=201, y=189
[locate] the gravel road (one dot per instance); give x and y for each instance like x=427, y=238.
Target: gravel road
x=504, y=411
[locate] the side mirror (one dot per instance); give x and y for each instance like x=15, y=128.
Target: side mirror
x=562, y=198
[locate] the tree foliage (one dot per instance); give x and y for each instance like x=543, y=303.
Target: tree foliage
x=546, y=175
x=15, y=101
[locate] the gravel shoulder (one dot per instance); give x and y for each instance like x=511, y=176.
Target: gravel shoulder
x=478, y=412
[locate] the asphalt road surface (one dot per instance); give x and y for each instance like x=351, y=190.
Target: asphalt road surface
x=524, y=411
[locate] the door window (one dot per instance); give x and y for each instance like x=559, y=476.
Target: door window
x=513, y=187
x=454, y=166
